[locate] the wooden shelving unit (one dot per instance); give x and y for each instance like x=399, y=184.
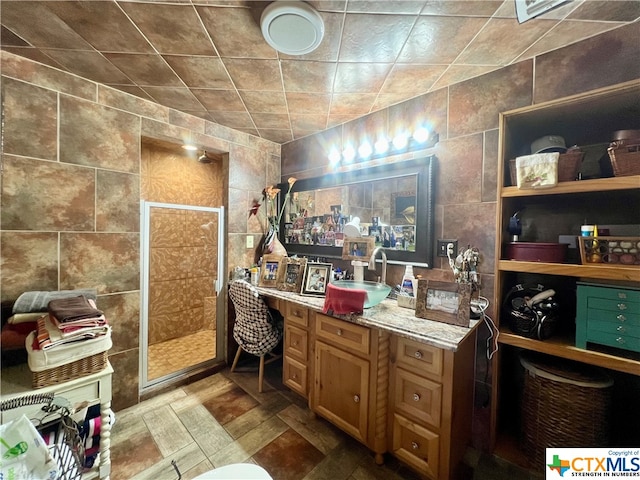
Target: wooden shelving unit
x=586, y=119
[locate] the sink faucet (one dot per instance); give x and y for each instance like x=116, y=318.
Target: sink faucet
x=372, y=263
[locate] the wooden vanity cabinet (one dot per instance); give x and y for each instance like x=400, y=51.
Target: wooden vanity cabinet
x=295, y=363
x=350, y=379
x=430, y=405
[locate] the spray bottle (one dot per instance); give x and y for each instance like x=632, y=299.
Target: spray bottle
x=408, y=280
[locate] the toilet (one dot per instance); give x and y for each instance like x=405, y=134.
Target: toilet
x=236, y=471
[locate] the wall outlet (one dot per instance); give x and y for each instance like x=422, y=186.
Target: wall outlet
x=249, y=241
x=442, y=248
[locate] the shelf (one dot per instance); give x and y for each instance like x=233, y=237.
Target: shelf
x=601, y=271
x=562, y=346
x=581, y=186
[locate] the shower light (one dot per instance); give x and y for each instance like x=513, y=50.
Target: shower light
x=204, y=158
x=189, y=147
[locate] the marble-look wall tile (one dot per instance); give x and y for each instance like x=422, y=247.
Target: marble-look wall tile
x=599, y=61
x=125, y=379
x=460, y=171
x=30, y=120
x=99, y=136
x=112, y=97
x=15, y=66
x=32, y=197
x=117, y=202
x=428, y=110
x=29, y=261
x=474, y=105
x=490, y=166
x=109, y=262
x=122, y=311
x=237, y=217
x=248, y=170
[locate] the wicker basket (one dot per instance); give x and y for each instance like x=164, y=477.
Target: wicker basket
x=564, y=404
x=568, y=167
x=610, y=250
x=625, y=158
x=69, y=371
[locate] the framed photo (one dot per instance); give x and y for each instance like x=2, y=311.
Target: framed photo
x=290, y=274
x=269, y=270
x=316, y=277
x=358, y=248
x=443, y=302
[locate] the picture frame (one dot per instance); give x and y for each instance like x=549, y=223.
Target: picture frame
x=269, y=271
x=358, y=248
x=445, y=302
x=316, y=278
x=290, y=274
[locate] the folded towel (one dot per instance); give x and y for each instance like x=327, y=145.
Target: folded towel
x=342, y=301
x=73, y=308
x=539, y=170
x=37, y=301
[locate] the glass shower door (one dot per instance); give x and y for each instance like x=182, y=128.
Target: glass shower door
x=182, y=251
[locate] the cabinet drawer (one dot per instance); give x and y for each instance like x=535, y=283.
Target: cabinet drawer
x=353, y=337
x=611, y=293
x=295, y=343
x=294, y=375
x=419, y=357
x=418, y=397
x=416, y=445
x=272, y=302
x=614, y=340
x=621, y=306
x=617, y=328
x=297, y=314
x=617, y=318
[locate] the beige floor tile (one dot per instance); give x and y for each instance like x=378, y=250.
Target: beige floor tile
x=168, y=431
x=341, y=462
x=186, y=459
x=315, y=430
x=254, y=417
x=208, y=434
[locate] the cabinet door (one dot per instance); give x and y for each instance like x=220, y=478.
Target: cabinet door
x=341, y=393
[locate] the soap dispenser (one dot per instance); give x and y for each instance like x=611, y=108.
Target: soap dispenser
x=408, y=280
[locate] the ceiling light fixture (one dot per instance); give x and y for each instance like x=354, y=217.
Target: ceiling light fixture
x=294, y=28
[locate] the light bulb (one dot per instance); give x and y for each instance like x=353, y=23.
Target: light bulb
x=365, y=150
x=348, y=154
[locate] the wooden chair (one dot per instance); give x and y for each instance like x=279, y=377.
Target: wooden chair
x=254, y=329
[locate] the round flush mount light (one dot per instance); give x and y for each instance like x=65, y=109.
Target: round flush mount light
x=294, y=28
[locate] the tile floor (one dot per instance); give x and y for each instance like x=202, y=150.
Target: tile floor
x=180, y=353
x=223, y=419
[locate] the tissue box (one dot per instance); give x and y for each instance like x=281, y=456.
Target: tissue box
x=406, y=302
x=537, y=171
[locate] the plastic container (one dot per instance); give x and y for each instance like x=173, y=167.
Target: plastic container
x=537, y=252
x=408, y=280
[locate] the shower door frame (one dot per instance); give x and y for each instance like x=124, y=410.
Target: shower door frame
x=145, y=218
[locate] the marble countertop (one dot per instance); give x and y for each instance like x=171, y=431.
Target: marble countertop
x=388, y=316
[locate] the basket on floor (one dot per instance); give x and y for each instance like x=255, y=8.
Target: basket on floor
x=625, y=158
x=564, y=404
x=69, y=371
x=568, y=167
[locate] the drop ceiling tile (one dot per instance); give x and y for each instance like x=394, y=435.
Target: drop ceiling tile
x=308, y=103
x=352, y=103
x=339, y=119
x=205, y=72
x=279, y=121
x=145, y=69
x=223, y=25
x=458, y=73
x=328, y=5
x=385, y=100
x=307, y=77
x=174, y=97
x=8, y=38
x=404, y=78
x=132, y=89
x=278, y=136
x=250, y=74
x=234, y=119
x=360, y=77
x=468, y=8
x=425, y=44
x=607, y=11
x=502, y=40
x=172, y=29
x=308, y=122
x=264, y=102
x=88, y=64
x=219, y=100
x=33, y=54
x=375, y=6
x=374, y=38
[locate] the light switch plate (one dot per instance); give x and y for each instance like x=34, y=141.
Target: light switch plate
x=249, y=241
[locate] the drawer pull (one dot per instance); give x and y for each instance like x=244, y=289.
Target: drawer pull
x=294, y=377
x=620, y=340
x=416, y=397
x=339, y=332
x=294, y=343
x=418, y=354
x=415, y=445
x=621, y=329
x=622, y=306
x=621, y=317
x=356, y=398
x=622, y=295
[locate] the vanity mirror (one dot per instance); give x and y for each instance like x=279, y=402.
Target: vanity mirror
x=391, y=204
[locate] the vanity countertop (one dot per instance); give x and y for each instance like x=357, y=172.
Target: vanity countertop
x=388, y=316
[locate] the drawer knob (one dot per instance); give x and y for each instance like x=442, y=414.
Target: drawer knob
x=294, y=343
x=620, y=340
x=418, y=354
x=415, y=445
x=416, y=397
x=621, y=329
x=339, y=332
x=622, y=306
x=622, y=295
x=621, y=317
x=356, y=398
x=294, y=376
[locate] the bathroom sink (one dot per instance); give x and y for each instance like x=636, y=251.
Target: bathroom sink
x=376, y=292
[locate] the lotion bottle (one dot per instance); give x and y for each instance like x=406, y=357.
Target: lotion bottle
x=408, y=280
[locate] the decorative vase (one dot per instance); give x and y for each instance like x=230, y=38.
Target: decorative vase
x=272, y=244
